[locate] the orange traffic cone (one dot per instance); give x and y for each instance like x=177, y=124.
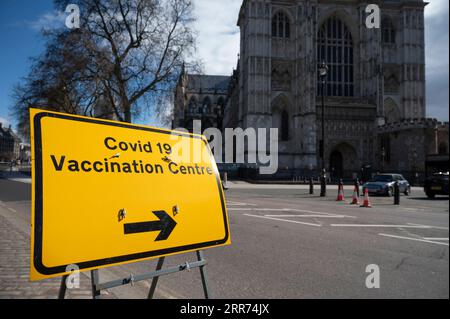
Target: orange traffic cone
x=366, y=202
x=355, y=200
x=340, y=196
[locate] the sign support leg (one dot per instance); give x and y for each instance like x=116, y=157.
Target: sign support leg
x=201, y=257
x=63, y=287
x=97, y=287
x=155, y=279
x=94, y=282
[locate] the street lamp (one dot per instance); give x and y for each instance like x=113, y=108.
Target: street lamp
x=323, y=72
x=383, y=158
x=414, y=167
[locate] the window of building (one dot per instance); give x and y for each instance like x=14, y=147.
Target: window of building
x=284, y=125
x=192, y=107
x=281, y=27
x=206, y=105
x=387, y=31
x=335, y=48
x=392, y=111
x=385, y=150
x=220, y=106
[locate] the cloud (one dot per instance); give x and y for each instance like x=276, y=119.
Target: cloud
x=437, y=60
x=218, y=45
x=435, y=7
x=47, y=21
x=4, y=122
x=218, y=34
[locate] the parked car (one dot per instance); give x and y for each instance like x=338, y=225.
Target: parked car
x=437, y=184
x=383, y=184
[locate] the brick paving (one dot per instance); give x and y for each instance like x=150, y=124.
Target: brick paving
x=14, y=270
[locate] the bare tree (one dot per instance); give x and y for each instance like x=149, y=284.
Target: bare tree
x=140, y=46
x=58, y=80
x=127, y=54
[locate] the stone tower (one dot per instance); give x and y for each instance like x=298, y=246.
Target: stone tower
x=375, y=76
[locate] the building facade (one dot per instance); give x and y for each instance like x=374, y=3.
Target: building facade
x=9, y=145
x=202, y=98
x=376, y=78
x=414, y=147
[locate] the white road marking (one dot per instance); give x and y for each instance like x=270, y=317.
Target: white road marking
x=420, y=207
x=312, y=216
x=414, y=239
x=239, y=204
x=435, y=238
x=381, y=226
x=312, y=213
x=12, y=209
x=25, y=180
x=322, y=213
x=284, y=220
x=436, y=227
x=261, y=209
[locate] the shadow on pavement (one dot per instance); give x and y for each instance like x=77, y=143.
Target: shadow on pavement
x=11, y=191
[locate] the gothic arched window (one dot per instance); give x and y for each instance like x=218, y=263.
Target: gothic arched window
x=220, y=106
x=335, y=48
x=192, y=107
x=391, y=84
x=387, y=31
x=284, y=125
x=392, y=111
x=206, y=105
x=281, y=27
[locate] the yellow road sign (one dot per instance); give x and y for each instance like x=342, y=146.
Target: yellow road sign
x=108, y=193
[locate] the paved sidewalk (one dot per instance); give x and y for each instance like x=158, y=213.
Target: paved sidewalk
x=14, y=270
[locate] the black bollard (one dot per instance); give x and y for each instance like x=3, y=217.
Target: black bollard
x=311, y=186
x=357, y=186
x=323, y=184
x=225, y=181
x=396, y=194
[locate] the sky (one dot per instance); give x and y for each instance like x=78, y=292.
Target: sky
x=217, y=42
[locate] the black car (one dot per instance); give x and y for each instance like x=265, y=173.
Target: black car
x=383, y=184
x=437, y=184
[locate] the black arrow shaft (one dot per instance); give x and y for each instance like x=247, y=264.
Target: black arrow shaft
x=144, y=227
x=165, y=225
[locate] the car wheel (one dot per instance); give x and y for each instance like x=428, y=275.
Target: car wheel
x=430, y=195
x=407, y=191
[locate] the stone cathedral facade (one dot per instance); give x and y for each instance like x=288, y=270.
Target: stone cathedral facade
x=374, y=94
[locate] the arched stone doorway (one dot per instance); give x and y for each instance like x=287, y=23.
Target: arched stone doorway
x=336, y=164
x=343, y=161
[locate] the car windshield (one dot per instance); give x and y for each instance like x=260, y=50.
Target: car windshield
x=382, y=178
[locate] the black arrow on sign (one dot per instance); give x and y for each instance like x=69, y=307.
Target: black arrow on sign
x=165, y=225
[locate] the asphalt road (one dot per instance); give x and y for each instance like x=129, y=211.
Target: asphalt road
x=288, y=244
